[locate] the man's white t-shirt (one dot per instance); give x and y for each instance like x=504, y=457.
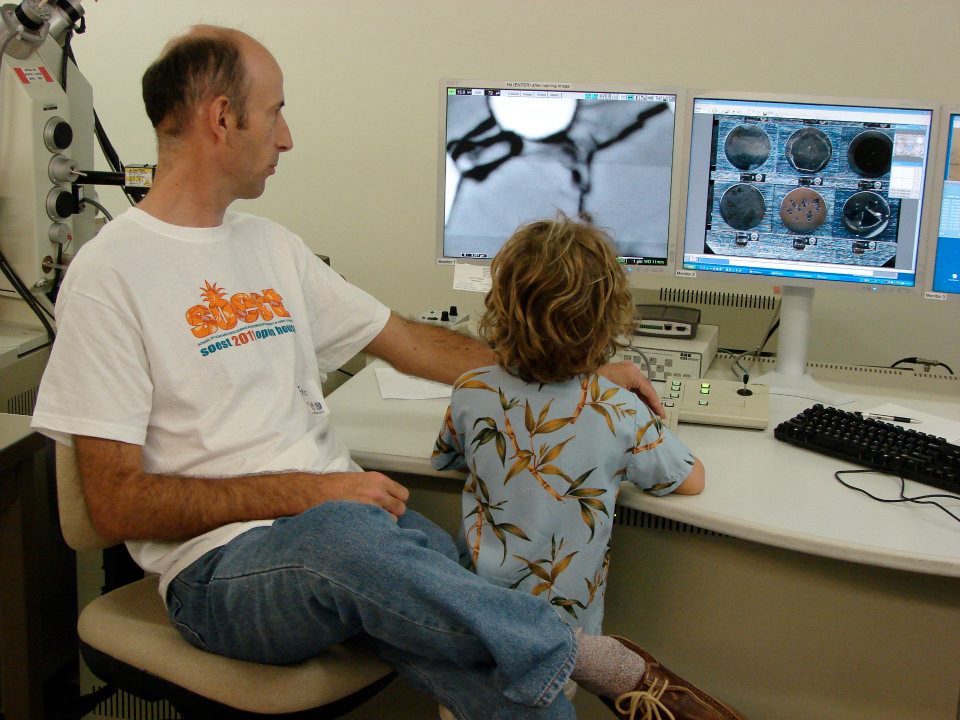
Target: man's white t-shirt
x=206, y=346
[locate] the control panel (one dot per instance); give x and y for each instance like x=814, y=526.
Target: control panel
x=715, y=402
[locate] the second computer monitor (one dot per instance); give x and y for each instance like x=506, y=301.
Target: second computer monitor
x=512, y=152
x=806, y=192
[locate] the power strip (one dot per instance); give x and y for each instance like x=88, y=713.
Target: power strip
x=715, y=402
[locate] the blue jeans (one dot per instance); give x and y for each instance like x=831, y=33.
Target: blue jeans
x=283, y=593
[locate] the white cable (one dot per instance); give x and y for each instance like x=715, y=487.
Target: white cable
x=646, y=360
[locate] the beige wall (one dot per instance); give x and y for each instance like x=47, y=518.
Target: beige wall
x=361, y=87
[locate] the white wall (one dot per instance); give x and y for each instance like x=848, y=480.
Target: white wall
x=361, y=88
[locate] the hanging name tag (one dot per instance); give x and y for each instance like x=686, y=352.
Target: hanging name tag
x=313, y=396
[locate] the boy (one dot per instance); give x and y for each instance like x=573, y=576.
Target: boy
x=545, y=440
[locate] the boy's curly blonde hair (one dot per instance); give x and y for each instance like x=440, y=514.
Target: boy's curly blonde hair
x=558, y=302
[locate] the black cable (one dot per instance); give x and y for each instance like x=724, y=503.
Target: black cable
x=31, y=351
x=918, y=499
x=100, y=207
x=770, y=332
x=106, y=147
x=65, y=59
x=922, y=361
x=24, y=292
x=21, y=288
x=109, y=152
x=740, y=351
x=758, y=351
x=57, y=276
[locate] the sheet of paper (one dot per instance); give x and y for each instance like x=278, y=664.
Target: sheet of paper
x=394, y=385
x=930, y=424
x=475, y=278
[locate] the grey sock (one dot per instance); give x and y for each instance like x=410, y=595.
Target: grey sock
x=606, y=667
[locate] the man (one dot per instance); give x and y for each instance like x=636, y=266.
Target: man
x=203, y=439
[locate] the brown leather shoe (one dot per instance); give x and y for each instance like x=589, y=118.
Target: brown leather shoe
x=662, y=695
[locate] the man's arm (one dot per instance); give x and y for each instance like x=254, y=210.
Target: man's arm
x=428, y=351
x=127, y=503
x=438, y=353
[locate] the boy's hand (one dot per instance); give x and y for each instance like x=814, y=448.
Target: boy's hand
x=629, y=375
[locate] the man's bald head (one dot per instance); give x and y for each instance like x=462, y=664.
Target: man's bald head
x=203, y=63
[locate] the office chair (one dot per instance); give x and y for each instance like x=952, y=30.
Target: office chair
x=127, y=641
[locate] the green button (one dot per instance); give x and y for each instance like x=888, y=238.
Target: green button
x=704, y=402
x=704, y=391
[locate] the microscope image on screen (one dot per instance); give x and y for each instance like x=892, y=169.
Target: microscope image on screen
x=811, y=190
x=514, y=156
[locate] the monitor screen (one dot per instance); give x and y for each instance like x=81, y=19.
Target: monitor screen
x=512, y=152
x=946, y=263
x=806, y=192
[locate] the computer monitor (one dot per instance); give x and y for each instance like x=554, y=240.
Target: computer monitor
x=511, y=152
x=945, y=278
x=803, y=193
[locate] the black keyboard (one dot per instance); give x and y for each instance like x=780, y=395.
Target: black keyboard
x=878, y=445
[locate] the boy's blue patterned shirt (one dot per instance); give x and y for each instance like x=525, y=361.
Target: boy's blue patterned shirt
x=544, y=464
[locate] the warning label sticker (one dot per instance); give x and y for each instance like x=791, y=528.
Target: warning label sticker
x=28, y=75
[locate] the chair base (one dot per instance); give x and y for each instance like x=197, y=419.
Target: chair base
x=196, y=707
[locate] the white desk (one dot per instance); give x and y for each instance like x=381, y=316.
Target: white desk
x=834, y=605
x=16, y=340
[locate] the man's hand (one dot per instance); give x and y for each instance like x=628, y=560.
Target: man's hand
x=372, y=488
x=628, y=375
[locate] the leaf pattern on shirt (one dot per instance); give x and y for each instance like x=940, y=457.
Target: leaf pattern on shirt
x=442, y=447
x=534, y=447
x=484, y=512
x=655, y=423
x=540, y=460
x=599, y=579
x=547, y=570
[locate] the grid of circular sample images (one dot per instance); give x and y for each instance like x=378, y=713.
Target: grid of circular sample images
x=800, y=190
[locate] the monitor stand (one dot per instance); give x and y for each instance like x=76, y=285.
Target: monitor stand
x=790, y=376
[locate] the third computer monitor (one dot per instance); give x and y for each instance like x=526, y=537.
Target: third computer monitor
x=514, y=151
x=945, y=281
